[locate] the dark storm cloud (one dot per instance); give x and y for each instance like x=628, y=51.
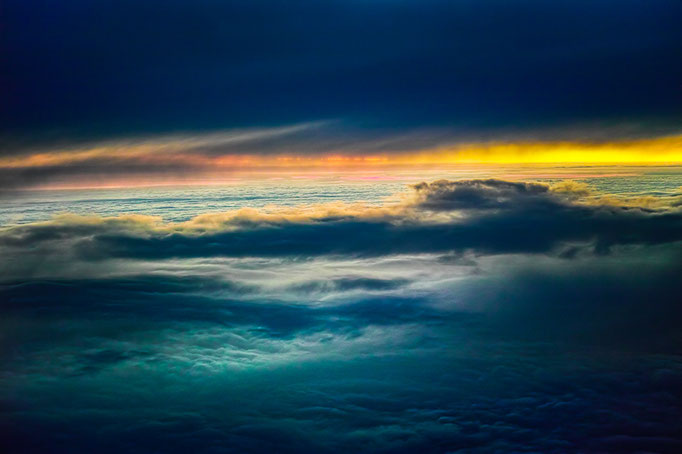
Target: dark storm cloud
x=483, y=216
x=80, y=69
x=489, y=194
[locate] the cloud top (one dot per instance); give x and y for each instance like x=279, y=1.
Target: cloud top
x=479, y=216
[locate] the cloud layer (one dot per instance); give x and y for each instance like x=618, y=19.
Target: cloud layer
x=468, y=316
x=478, y=216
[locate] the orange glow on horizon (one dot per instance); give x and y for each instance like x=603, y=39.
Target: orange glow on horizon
x=663, y=150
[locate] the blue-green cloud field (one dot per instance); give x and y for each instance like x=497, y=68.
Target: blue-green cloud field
x=464, y=315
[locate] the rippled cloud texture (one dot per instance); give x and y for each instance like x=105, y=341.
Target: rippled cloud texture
x=463, y=316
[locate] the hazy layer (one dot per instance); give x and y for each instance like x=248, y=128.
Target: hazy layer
x=180, y=203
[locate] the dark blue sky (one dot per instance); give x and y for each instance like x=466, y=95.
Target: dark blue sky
x=74, y=69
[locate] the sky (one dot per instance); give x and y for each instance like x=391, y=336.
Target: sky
x=385, y=226
x=166, y=89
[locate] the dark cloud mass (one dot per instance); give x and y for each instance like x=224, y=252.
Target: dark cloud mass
x=473, y=316
x=484, y=216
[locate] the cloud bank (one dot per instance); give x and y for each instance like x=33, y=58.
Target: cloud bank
x=464, y=316
x=478, y=216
